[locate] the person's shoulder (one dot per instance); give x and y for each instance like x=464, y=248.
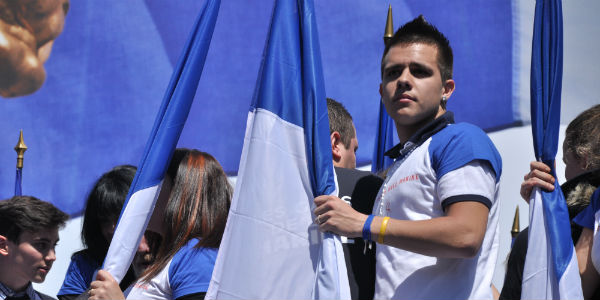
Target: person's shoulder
x=463, y=130
x=458, y=144
x=350, y=179
x=44, y=296
x=84, y=262
x=189, y=253
x=354, y=174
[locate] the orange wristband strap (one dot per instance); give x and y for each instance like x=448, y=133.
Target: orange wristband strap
x=382, y=229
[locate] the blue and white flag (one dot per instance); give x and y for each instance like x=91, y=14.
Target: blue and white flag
x=161, y=144
x=272, y=249
x=551, y=270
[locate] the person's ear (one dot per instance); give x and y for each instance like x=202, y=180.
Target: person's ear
x=583, y=162
x=381, y=90
x=448, y=89
x=3, y=245
x=336, y=140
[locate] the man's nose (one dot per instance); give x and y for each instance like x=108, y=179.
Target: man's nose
x=51, y=256
x=143, y=247
x=404, y=80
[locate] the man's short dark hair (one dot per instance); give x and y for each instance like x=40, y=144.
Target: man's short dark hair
x=340, y=120
x=420, y=31
x=26, y=213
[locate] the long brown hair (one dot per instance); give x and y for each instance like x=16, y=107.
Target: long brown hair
x=197, y=208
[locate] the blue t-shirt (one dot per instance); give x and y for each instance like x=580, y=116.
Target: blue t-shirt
x=191, y=269
x=79, y=275
x=188, y=272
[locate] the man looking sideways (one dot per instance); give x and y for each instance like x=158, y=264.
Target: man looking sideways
x=435, y=217
x=28, y=235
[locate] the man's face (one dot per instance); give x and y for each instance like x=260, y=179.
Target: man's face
x=32, y=258
x=411, y=87
x=348, y=155
x=144, y=255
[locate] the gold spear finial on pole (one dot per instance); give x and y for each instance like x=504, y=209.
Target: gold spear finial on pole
x=515, y=228
x=20, y=148
x=389, y=26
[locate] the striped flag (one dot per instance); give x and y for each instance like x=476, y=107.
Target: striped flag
x=272, y=249
x=551, y=270
x=162, y=142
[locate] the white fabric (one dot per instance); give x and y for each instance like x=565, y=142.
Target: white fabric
x=157, y=288
x=596, y=243
x=539, y=280
x=412, y=192
x=129, y=231
x=270, y=248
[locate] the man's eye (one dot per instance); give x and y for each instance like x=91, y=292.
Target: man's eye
x=41, y=246
x=420, y=72
x=392, y=73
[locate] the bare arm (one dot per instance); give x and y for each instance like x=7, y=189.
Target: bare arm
x=458, y=234
x=589, y=275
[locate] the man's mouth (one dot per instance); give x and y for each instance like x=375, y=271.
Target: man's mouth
x=404, y=98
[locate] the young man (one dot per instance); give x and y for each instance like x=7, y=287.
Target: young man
x=357, y=188
x=435, y=218
x=28, y=235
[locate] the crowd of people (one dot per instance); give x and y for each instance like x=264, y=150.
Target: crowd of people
x=426, y=228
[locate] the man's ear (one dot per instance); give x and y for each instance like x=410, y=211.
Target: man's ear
x=3, y=245
x=448, y=88
x=336, y=140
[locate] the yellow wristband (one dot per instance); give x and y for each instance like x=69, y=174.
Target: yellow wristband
x=382, y=229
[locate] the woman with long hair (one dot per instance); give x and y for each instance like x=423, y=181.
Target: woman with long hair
x=102, y=210
x=194, y=222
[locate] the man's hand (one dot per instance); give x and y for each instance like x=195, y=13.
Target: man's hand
x=105, y=287
x=335, y=215
x=539, y=176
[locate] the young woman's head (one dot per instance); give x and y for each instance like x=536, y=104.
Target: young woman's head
x=197, y=207
x=581, y=148
x=102, y=210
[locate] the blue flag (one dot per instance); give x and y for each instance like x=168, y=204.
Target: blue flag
x=551, y=270
x=161, y=144
x=384, y=140
x=18, y=179
x=272, y=249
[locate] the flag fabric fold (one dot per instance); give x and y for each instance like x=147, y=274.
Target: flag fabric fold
x=271, y=248
x=384, y=140
x=18, y=180
x=161, y=144
x=551, y=270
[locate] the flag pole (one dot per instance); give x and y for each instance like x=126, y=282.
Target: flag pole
x=20, y=148
x=384, y=137
x=515, y=227
x=389, y=26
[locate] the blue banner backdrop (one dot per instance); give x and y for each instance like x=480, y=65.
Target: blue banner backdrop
x=109, y=69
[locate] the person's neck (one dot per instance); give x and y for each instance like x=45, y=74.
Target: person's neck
x=405, y=132
x=15, y=287
x=8, y=279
